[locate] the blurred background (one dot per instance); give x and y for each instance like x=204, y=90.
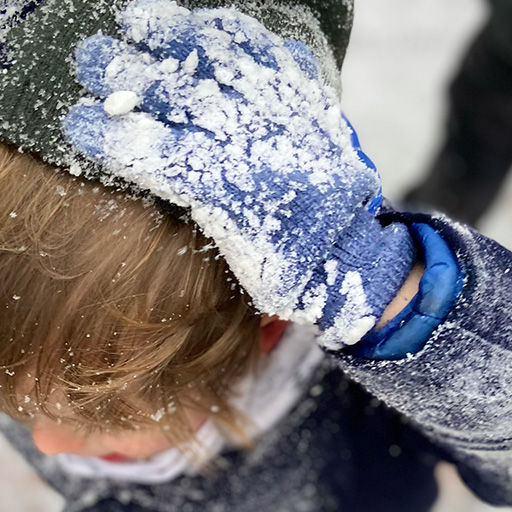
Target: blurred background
x=400, y=62
x=401, y=59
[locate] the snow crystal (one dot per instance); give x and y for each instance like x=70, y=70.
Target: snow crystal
x=169, y=65
x=395, y=450
x=151, y=17
x=158, y=415
x=316, y=390
x=191, y=63
x=121, y=102
x=354, y=320
x=314, y=301
x=357, y=330
x=330, y=268
x=61, y=191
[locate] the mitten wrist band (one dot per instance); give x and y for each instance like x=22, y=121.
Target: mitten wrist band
x=362, y=274
x=439, y=288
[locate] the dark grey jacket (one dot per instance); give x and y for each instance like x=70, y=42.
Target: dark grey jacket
x=342, y=449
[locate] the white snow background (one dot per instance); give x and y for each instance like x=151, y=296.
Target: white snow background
x=401, y=57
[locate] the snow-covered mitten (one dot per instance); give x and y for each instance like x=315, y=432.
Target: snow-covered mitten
x=211, y=111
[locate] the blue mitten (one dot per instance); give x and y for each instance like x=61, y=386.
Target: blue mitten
x=211, y=111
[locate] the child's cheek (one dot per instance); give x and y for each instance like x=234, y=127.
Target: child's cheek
x=133, y=444
x=51, y=441
x=141, y=444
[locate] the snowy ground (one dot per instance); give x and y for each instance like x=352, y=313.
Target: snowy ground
x=401, y=56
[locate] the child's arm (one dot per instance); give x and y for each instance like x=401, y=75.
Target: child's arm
x=404, y=296
x=458, y=389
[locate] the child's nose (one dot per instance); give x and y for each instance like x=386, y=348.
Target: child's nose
x=54, y=439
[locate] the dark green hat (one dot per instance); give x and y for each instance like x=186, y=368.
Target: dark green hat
x=37, y=38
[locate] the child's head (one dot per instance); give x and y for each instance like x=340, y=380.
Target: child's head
x=116, y=313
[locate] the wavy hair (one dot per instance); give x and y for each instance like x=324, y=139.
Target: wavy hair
x=115, y=303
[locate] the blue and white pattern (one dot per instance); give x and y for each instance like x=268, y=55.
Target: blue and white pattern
x=211, y=111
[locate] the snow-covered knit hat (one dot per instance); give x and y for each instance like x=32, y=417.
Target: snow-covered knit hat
x=38, y=39
x=230, y=113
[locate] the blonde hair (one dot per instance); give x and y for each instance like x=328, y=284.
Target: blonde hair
x=123, y=308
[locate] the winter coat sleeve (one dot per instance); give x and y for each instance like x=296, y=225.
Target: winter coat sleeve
x=458, y=389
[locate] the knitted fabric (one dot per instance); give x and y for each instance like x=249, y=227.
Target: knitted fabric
x=37, y=52
x=211, y=111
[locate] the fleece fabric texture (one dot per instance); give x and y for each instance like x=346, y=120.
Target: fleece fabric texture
x=342, y=448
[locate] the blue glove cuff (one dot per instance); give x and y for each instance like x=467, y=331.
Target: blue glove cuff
x=362, y=274
x=439, y=288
